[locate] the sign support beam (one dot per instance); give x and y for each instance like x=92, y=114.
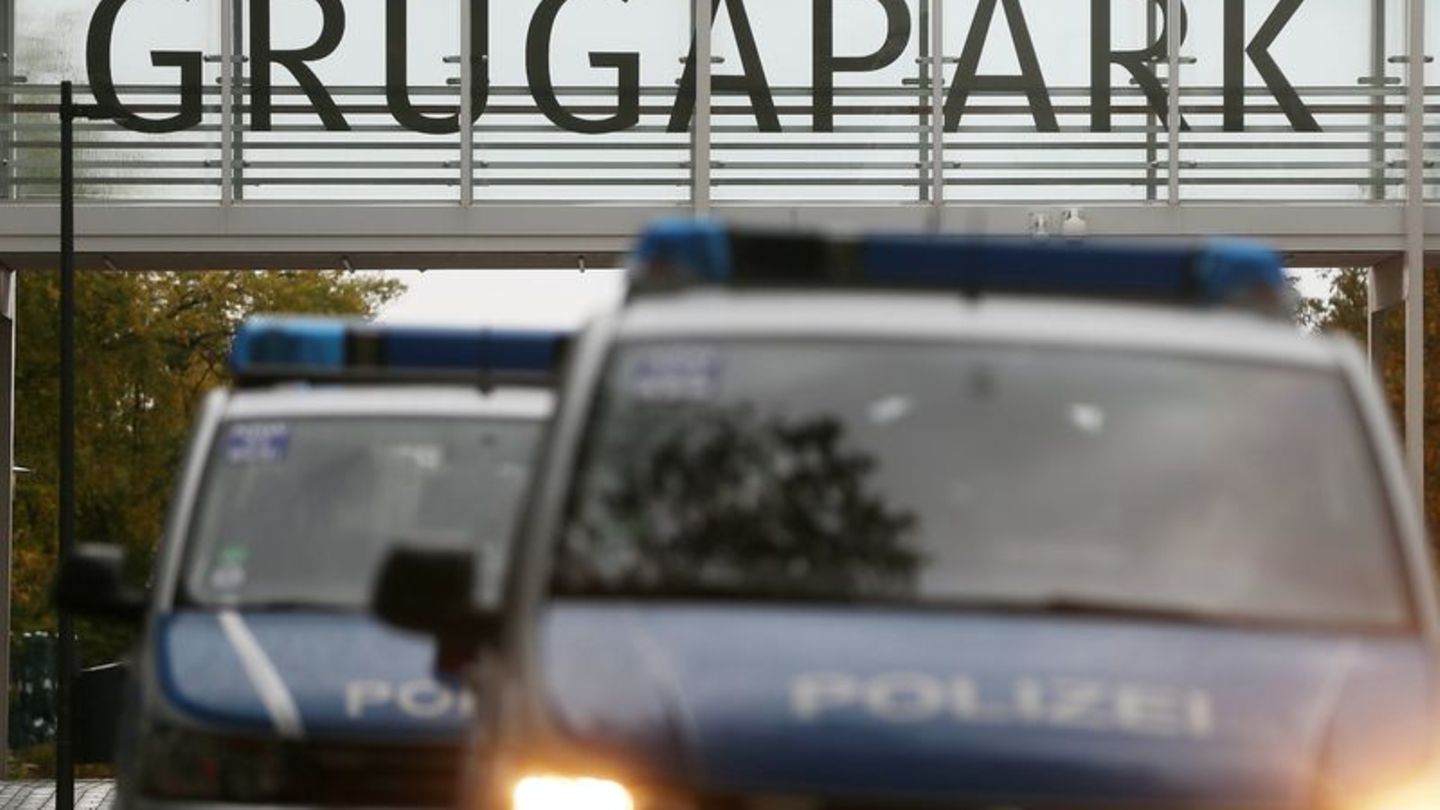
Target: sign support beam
x=1415, y=247
x=937, y=110
x=1377, y=86
x=8, y=279
x=700, y=126
x=1386, y=282
x=1173, y=13
x=227, y=102
x=467, y=111
x=7, y=112
x=7, y=370
x=1152, y=121
x=238, y=73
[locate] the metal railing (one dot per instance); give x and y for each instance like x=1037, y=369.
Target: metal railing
x=878, y=150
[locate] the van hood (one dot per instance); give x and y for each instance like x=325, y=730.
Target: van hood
x=791, y=700
x=306, y=674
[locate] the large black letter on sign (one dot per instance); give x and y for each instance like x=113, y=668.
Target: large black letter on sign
x=397, y=83
x=1259, y=51
x=751, y=81
x=542, y=88
x=331, y=30
x=1031, y=81
x=1138, y=63
x=827, y=64
x=102, y=81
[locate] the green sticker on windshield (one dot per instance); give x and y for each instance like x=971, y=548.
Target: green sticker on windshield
x=229, y=571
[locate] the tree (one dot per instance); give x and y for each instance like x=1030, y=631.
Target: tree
x=717, y=498
x=148, y=345
x=1346, y=311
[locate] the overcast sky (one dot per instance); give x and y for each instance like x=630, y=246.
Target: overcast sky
x=544, y=298
x=559, y=299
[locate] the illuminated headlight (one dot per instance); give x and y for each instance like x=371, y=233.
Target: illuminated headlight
x=570, y=793
x=1421, y=794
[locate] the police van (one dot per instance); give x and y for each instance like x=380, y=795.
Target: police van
x=888, y=522
x=262, y=679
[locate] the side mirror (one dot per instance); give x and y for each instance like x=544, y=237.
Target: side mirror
x=432, y=592
x=91, y=582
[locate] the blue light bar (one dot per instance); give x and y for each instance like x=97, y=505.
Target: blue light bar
x=295, y=342
x=677, y=253
x=320, y=349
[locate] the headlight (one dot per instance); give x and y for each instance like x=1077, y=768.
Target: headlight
x=1421, y=794
x=569, y=793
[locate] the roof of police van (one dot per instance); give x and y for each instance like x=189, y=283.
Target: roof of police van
x=436, y=401
x=990, y=318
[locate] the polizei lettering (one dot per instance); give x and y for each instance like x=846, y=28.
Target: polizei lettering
x=1058, y=702
x=421, y=699
x=747, y=80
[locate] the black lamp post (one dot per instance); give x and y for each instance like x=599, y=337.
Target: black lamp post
x=65, y=663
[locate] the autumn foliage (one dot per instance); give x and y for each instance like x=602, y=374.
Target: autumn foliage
x=1347, y=312
x=148, y=345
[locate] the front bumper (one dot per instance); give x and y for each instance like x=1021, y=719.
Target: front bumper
x=143, y=803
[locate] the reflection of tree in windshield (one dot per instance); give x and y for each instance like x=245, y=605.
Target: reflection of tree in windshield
x=707, y=499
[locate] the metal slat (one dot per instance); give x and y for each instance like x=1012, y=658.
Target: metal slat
x=780, y=146
x=872, y=120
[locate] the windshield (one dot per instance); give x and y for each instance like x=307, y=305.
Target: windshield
x=953, y=474
x=303, y=511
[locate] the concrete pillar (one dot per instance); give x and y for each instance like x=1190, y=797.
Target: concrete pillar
x=1386, y=291
x=8, y=281
x=1415, y=246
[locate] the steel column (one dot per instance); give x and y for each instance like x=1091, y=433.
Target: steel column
x=1382, y=279
x=937, y=108
x=237, y=123
x=227, y=101
x=7, y=112
x=1376, y=82
x=1415, y=246
x=1172, y=84
x=8, y=280
x=700, y=19
x=7, y=373
x=1384, y=292
x=1375, y=336
x=467, y=111
x=922, y=39
x=1152, y=122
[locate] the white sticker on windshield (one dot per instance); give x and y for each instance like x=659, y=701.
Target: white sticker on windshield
x=1087, y=417
x=428, y=457
x=889, y=410
x=677, y=373
x=257, y=443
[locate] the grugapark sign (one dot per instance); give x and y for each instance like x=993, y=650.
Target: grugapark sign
x=1239, y=47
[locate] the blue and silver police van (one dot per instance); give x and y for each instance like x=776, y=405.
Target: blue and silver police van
x=261, y=678
x=902, y=522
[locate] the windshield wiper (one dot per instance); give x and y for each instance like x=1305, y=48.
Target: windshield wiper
x=1058, y=604
x=756, y=593
x=1068, y=604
